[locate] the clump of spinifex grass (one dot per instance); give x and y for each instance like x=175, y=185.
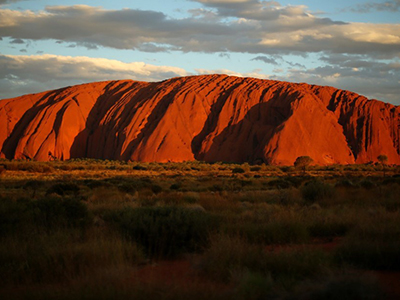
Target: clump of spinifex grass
x=374, y=244
x=348, y=285
x=62, y=255
x=228, y=255
x=268, y=224
x=164, y=231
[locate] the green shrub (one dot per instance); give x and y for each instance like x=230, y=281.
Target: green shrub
x=374, y=244
x=175, y=186
x=255, y=168
x=53, y=212
x=164, y=231
x=329, y=228
x=273, y=232
x=316, y=190
x=254, y=286
x=345, y=183
x=279, y=183
x=33, y=185
x=228, y=255
x=367, y=183
x=156, y=189
x=238, y=170
x=14, y=216
x=63, y=255
x=64, y=189
x=339, y=287
x=48, y=213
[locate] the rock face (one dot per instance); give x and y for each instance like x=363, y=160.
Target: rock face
x=210, y=118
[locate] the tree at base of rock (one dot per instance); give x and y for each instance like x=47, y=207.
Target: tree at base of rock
x=302, y=162
x=383, y=159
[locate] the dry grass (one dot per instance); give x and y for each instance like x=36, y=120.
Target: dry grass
x=46, y=252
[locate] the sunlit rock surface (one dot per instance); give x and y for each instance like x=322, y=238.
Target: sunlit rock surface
x=209, y=118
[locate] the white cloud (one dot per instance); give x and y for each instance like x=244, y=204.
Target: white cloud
x=28, y=74
x=254, y=73
x=245, y=27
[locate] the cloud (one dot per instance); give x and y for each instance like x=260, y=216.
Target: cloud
x=8, y=1
x=266, y=59
x=255, y=73
x=17, y=41
x=29, y=74
x=374, y=79
x=391, y=6
x=236, y=26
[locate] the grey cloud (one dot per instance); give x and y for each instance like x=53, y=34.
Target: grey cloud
x=266, y=59
x=297, y=33
x=295, y=65
x=17, y=41
x=391, y=6
x=224, y=55
x=8, y=1
x=374, y=79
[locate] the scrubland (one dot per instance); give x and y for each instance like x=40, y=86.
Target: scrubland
x=89, y=229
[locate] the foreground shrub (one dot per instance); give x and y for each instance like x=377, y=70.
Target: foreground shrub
x=253, y=286
x=238, y=170
x=64, y=189
x=272, y=232
x=14, y=216
x=53, y=212
x=339, y=287
x=227, y=256
x=62, y=255
x=374, y=245
x=316, y=190
x=164, y=231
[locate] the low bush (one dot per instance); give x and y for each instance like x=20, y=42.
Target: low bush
x=329, y=228
x=46, y=214
x=14, y=216
x=279, y=184
x=64, y=189
x=53, y=212
x=374, y=244
x=254, y=286
x=62, y=255
x=164, y=231
x=238, y=170
x=272, y=232
x=255, y=168
x=339, y=287
x=316, y=190
x=228, y=255
x=2, y=170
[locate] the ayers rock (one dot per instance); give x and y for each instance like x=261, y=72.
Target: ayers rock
x=208, y=118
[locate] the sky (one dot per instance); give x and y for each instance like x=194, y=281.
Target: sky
x=352, y=45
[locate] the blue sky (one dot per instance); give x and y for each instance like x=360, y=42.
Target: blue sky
x=353, y=45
